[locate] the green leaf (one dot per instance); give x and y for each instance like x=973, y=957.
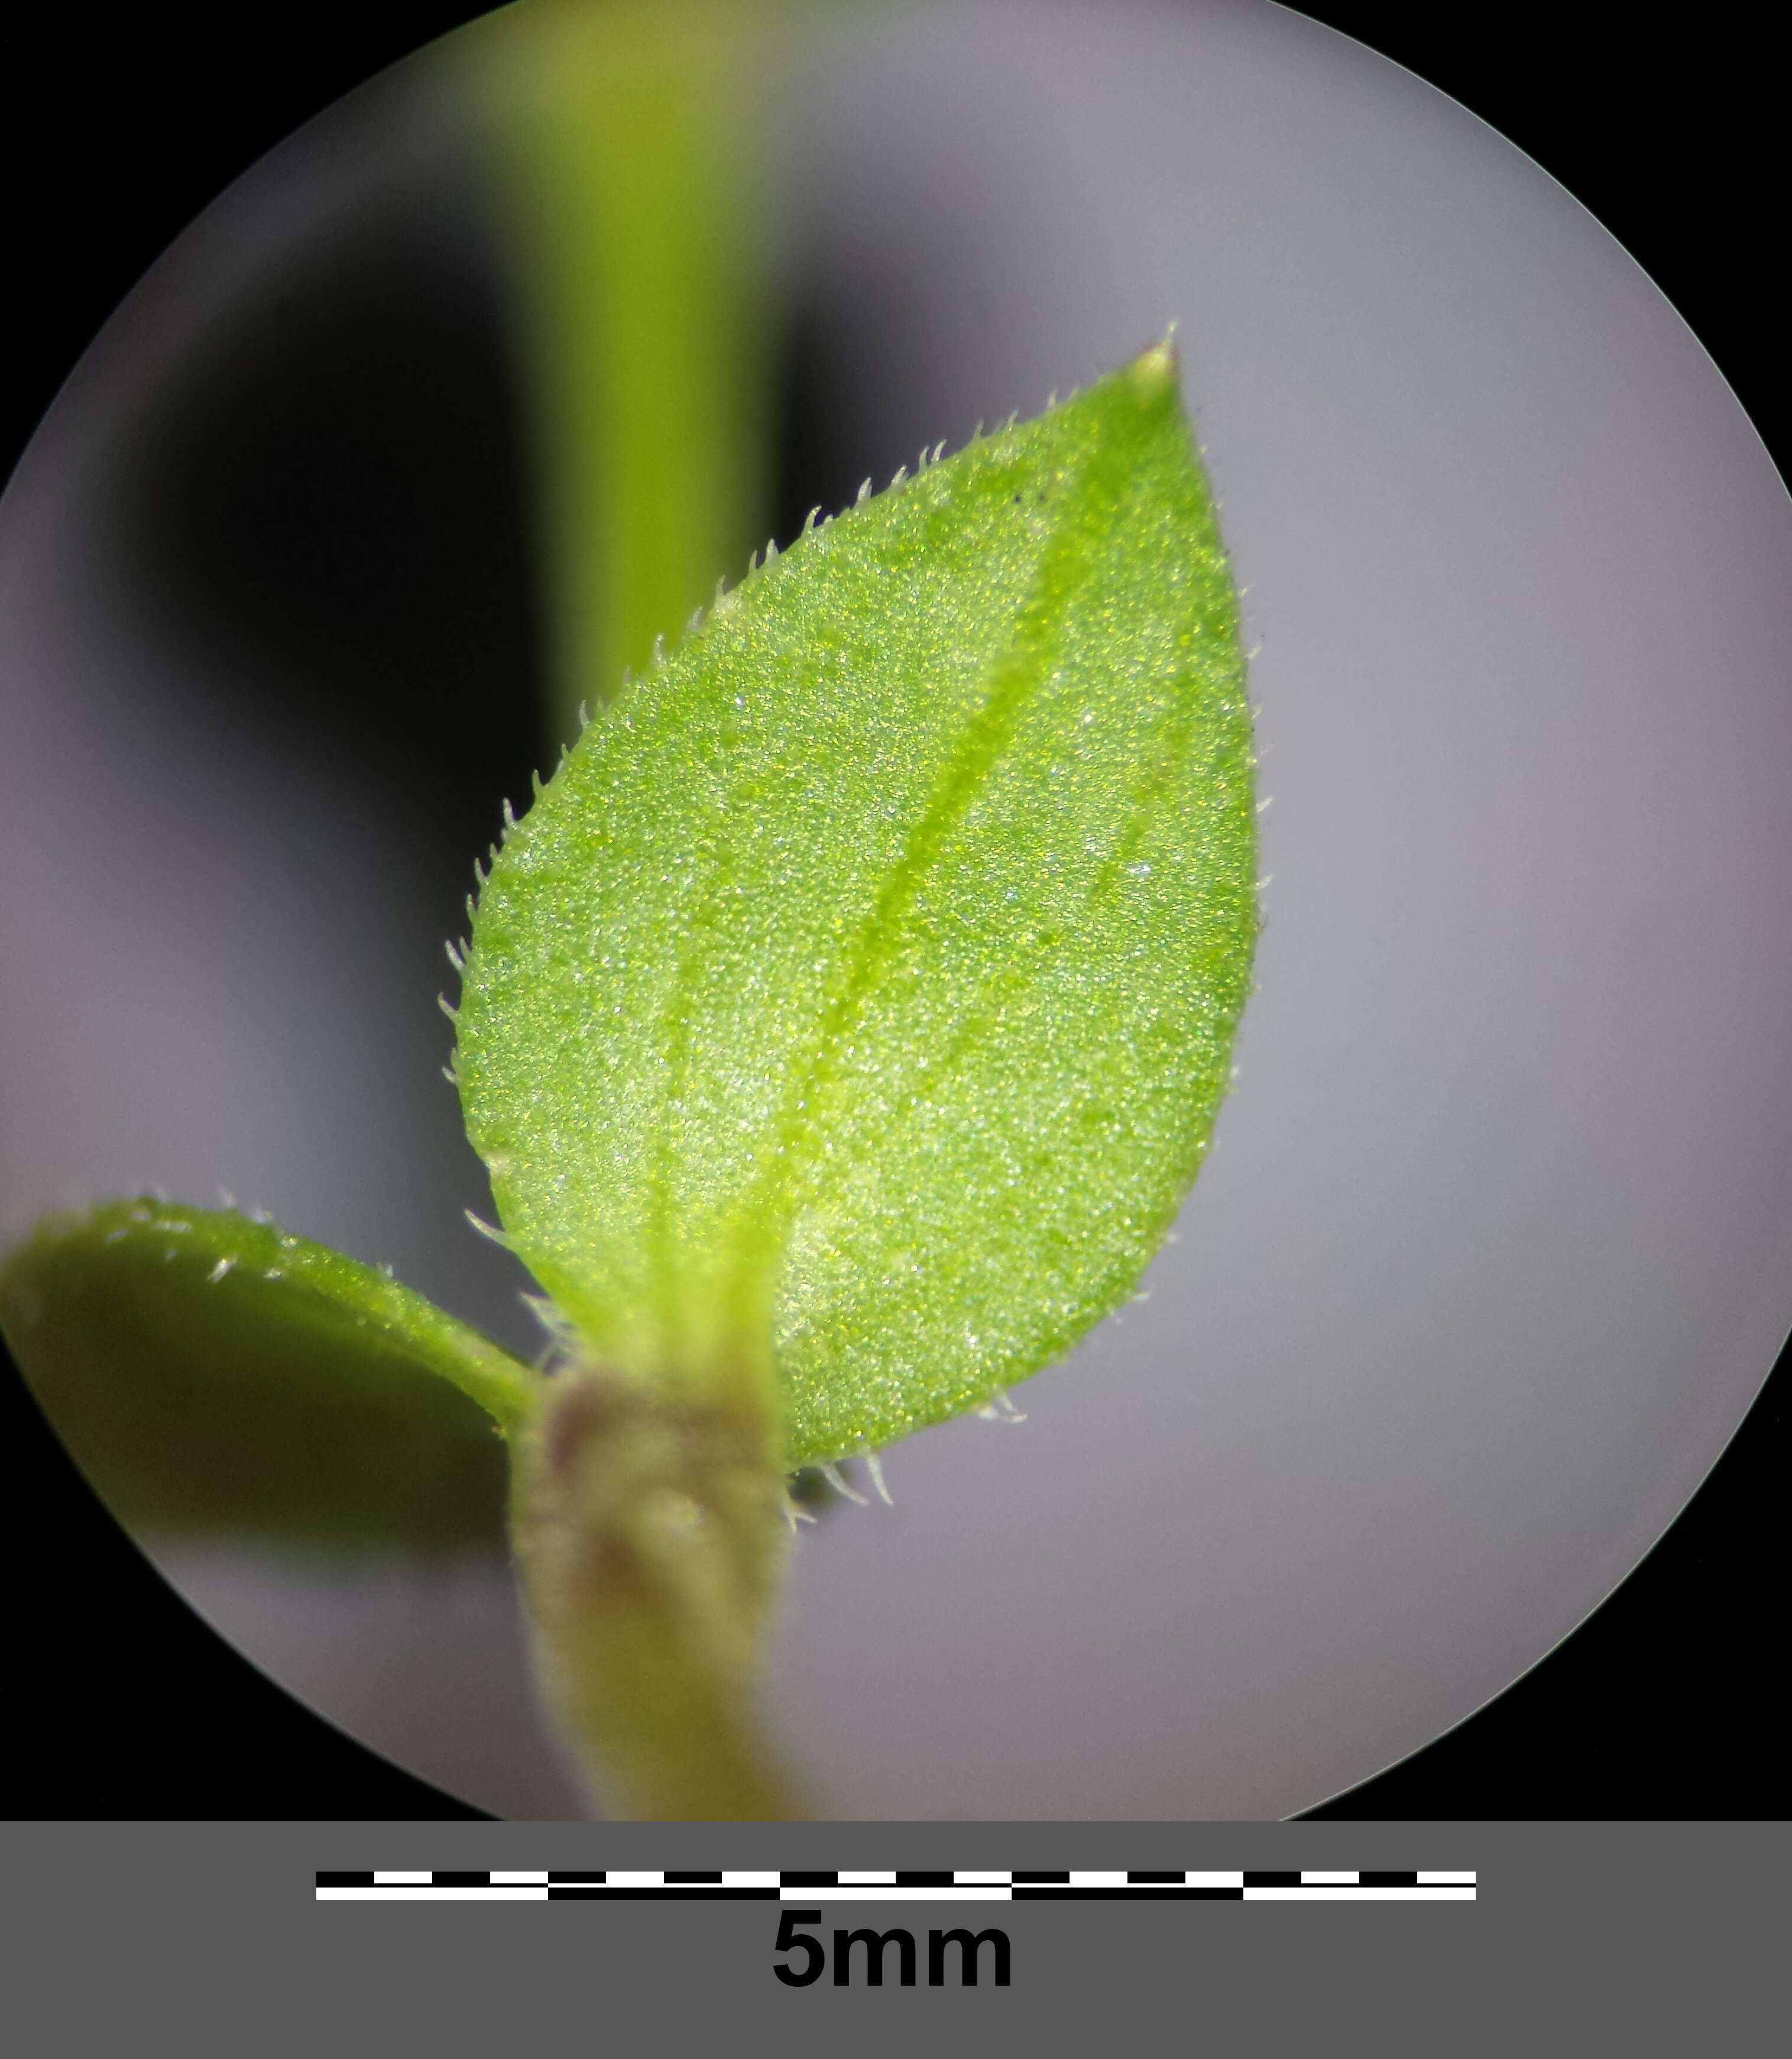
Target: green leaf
x=852, y=1009
x=212, y=1374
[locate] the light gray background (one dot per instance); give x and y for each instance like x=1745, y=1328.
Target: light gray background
x=1495, y=1243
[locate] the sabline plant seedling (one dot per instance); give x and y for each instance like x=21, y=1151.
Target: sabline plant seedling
x=841, y=1027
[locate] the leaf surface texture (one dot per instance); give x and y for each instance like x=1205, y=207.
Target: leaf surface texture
x=852, y=1009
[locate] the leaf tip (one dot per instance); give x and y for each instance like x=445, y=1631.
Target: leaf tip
x=1155, y=371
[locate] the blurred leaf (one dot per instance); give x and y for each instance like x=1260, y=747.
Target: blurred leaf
x=855, y=1005
x=215, y=1375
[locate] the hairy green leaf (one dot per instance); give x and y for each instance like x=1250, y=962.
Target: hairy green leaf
x=853, y=1007
x=214, y=1374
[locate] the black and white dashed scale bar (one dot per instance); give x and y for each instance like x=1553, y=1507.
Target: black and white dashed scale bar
x=896, y=1885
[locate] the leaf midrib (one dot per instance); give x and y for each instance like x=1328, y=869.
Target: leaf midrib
x=767, y=1212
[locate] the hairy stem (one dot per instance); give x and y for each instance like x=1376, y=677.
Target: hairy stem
x=650, y=1533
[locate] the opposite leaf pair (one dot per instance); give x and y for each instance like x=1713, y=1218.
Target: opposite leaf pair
x=842, y=1028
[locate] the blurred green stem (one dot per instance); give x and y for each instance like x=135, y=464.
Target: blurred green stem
x=632, y=200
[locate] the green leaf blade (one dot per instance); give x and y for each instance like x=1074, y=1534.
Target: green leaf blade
x=214, y=1375
x=855, y=1005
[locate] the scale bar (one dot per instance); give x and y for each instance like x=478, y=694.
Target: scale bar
x=895, y=1884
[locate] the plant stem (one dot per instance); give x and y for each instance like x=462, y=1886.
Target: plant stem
x=649, y=1531
x=631, y=190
